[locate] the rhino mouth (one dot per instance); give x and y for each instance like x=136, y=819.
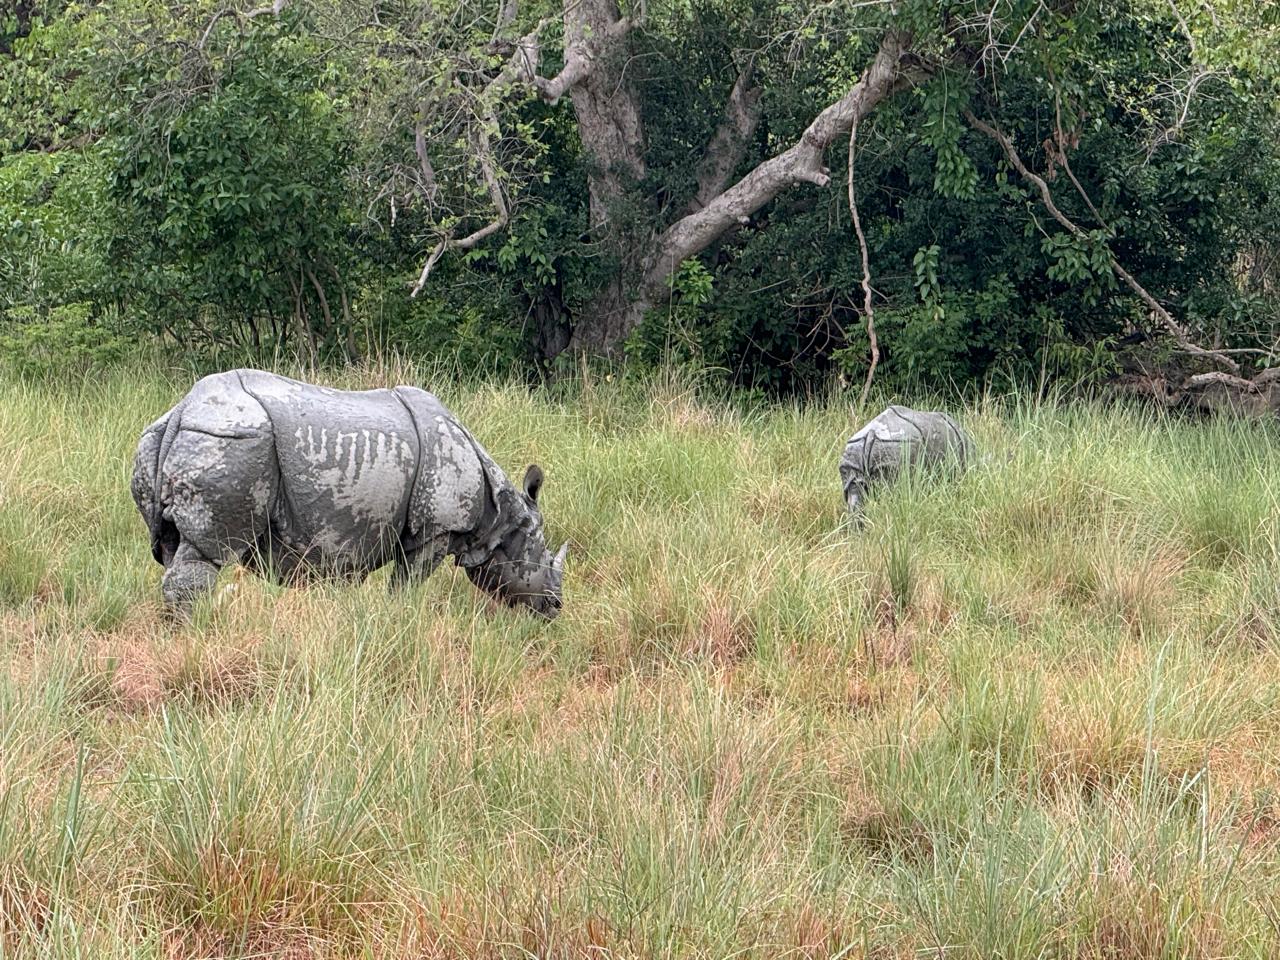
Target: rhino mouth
x=544, y=603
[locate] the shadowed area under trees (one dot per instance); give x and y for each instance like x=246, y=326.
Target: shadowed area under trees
x=1084, y=191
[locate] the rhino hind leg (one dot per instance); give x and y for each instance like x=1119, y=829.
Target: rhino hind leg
x=222, y=490
x=188, y=576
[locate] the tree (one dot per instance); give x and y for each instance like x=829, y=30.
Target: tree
x=229, y=187
x=674, y=177
x=648, y=244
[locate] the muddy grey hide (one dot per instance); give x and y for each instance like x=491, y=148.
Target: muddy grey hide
x=900, y=437
x=299, y=482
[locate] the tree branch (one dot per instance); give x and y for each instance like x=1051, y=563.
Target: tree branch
x=580, y=52
x=484, y=155
x=582, y=46
x=727, y=145
x=1230, y=380
x=1061, y=146
x=324, y=301
x=274, y=10
x=867, y=309
x=802, y=162
x=1046, y=198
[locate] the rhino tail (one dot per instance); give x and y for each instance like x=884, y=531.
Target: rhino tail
x=962, y=444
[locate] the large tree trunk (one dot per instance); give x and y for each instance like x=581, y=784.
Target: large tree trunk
x=609, y=121
x=611, y=130
x=604, y=325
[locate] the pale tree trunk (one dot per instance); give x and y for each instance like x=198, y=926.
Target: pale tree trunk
x=611, y=130
x=609, y=122
x=616, y=142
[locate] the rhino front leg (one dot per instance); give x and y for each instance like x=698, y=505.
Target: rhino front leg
x=414, y=566
x=189, y=576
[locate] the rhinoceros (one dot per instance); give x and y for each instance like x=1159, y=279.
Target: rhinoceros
x=897, y=438
x=301, y=482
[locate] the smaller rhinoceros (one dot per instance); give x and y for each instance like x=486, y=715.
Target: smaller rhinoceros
x=301, y=482
x=900, y=437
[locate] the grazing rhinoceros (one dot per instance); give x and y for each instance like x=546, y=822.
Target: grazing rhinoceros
x=899, y=437
x=303, y=482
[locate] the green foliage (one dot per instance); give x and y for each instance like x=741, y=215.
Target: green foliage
x=232, y=215
x=243, y=187
x=65, y=339
x=941, y=128
x=50, y=207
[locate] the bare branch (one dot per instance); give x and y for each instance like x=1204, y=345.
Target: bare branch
x=867, y=309
x=1230, y=380
x=1186, y=93
x=274, y=10
x=204, y=37
x=1062, y=147
x=1173, y=132
x=583, y=44
x=580, y=53
x=484, y=154
x=1046, y=198
x=891, y=70
x=1186, y=30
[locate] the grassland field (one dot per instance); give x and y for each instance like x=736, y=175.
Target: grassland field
x=1033, y=712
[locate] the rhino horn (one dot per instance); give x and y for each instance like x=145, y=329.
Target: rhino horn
x=557, y=565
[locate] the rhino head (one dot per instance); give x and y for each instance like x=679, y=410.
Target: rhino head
x=521, y=571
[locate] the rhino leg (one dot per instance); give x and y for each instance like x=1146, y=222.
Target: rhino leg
x=854, y=499
x=415, y=565
x=188, y=577
x=220, y=476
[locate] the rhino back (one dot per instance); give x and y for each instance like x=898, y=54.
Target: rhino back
x=937, y=432
x=346, y=460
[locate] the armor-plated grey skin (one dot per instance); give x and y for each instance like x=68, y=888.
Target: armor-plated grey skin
x=899, y=437
x=299, y=482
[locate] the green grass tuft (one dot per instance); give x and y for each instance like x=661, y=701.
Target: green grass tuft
x=1029, y=711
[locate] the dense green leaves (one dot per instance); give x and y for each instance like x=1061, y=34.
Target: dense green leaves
x=276, y=183
x=231, y=190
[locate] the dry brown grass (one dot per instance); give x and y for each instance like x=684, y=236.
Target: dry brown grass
x=1138, y=586
x=25, y=910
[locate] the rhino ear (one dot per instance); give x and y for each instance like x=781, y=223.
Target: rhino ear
x=533, y=482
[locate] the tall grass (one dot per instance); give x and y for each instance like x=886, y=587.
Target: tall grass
x=1027, y=712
